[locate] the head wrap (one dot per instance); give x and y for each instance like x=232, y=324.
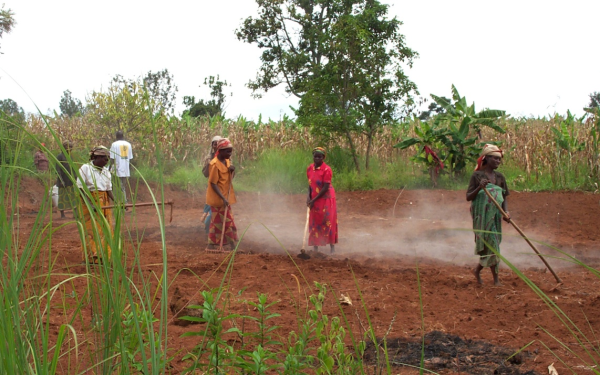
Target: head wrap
x=488, y=149
x=100, y=151
x=224, y=143
x=320, y=150
x=216, y=138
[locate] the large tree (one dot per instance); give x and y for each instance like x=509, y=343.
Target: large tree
x=128, y=104
x=344, y=60
x=123, y=106
x=70, y=106
x=162, y=90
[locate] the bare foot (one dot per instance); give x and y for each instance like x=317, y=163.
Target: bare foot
x=476, y=272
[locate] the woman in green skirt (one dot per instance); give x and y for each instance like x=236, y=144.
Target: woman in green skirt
x=487, y=223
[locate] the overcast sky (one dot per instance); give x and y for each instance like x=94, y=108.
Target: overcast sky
x=528, y=57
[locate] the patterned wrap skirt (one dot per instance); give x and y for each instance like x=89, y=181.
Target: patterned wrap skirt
x=67, y=198
x=217, y=223
x=97, y=235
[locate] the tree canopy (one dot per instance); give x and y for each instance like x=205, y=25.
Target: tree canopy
x=7, y=21
x=594, y=100
x=344, y=60
x=212, y=107
x=70, y=106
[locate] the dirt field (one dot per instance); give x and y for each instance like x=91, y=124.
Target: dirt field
x=383, y=235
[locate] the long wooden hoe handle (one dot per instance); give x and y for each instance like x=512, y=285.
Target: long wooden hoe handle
x=305, y=229
x=504, y=214
x=225, y=217
x=141, y=204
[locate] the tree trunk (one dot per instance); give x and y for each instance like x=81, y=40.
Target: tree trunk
x=353, y=151
x=369, y=146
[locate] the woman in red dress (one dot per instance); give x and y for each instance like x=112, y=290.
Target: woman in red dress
x=323, y=225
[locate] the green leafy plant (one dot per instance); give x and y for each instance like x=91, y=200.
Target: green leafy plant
x=218, y=352
x=133, y=343
x=453, y=133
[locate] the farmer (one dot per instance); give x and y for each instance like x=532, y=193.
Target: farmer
x=120, y=155
x=96, y=177
x=486, y=216
x=323, y=225
x=66, y=192
x=220, y=196
x=210, y=156
x=41, y=160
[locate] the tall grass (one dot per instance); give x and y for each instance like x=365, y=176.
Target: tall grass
x=112, y=322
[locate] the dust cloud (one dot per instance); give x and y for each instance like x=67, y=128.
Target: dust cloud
x=420, y=229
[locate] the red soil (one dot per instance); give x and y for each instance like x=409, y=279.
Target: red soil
x=381, y=244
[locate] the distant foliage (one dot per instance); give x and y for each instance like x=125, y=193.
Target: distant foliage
x=213, y=107
x=162, y=90
x=432, y=110
x=11, y=111
x=594, y=100
x=70, y=106
x=7, y=21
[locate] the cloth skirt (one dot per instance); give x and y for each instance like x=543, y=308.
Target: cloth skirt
x=96, y=226
x=322, y=222
x=217, y=223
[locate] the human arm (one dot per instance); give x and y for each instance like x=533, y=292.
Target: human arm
x=205, y=170
x=110, y=195
x=475, y=187
x=218, y=191
x=322, y=192
x=505, y=209
x=505, y=194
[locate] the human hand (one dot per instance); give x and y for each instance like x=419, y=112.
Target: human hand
x=507, y=217
x=310, y=203
x=226, y=202
x=232, y=168
x=483, y=183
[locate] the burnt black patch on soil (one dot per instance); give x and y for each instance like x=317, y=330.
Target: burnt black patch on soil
x=444, y=351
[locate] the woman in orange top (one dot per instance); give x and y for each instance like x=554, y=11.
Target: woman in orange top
x=220, y=195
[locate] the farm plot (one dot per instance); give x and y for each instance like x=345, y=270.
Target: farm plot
x=382, y=249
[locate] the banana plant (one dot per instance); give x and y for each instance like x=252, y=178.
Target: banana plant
x=429, y=136
x=459, y=112
x=454, y=135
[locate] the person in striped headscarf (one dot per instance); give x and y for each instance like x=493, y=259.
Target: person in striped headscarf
x=219, y=196
x=322, y=221
x=487, y=223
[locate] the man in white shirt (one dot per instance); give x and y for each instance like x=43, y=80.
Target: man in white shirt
x=120, y=155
